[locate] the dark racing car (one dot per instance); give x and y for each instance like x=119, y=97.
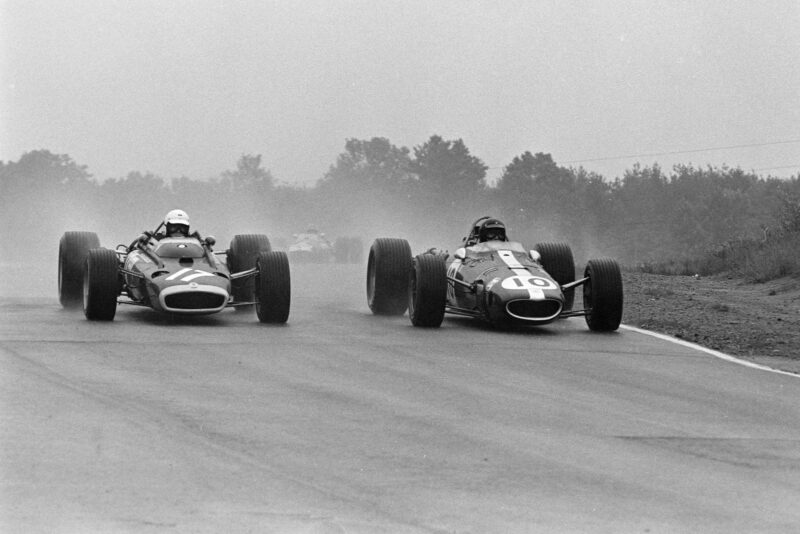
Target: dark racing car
x=493, y=279
x=178, y=275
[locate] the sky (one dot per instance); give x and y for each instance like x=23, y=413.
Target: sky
x=184, y=88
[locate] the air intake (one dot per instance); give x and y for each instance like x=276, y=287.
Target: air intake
x=534, y=310
x=194, y=300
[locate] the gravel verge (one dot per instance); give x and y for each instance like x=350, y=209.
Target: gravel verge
x=756, y=322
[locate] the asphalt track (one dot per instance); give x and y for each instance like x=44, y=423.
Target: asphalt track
x=342, y=421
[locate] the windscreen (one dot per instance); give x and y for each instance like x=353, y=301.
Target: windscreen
x=179, y=248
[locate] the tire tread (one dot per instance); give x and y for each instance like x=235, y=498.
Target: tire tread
x=273, y=287
x=603, y=295
x=101, y=278
x=388, y=270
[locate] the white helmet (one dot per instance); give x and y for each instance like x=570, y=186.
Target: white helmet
x=177, y=221
x=177, y=217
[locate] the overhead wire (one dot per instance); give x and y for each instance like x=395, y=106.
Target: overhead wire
x=796, y=166
x=674, y=152
x=690, y=151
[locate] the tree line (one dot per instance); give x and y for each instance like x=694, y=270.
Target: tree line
x=428, y=194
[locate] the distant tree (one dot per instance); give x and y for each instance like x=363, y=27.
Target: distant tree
x=41, y=171
x=366, y=188
x=641, y=210
x=515, y=187
x=450, y=186
x=591, y=215
x=206, y=201
x=540, y=197
x=249, y=194
x=41, y=193
x=447, y=170
x=708, y=206
x=134, y=203
x=374, y=164
x=249, y=176
x=787, y=194
x=535, y=182
x=137, y=187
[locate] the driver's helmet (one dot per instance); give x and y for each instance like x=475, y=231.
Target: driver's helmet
x=177, y=223
x=492, y=230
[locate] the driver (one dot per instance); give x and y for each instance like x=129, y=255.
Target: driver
x=176, y=223
x=492, y=230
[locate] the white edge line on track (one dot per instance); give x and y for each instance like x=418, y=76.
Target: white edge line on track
x=714, y=353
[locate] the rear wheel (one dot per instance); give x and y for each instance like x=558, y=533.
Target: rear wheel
x=387, y=276
x=427, y=290
x=273, y=287
x=602, y=295
x=101, y=285
x=242, y=255
x=72, y=251
x=557, y=260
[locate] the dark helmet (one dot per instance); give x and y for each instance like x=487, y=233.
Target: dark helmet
x=492, y=230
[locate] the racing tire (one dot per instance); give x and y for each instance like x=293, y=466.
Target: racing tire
x=101, y=285
x=387, y=276
x=602, y=295
x=243, y=253
x=427, y=290
x=72, y=251
x=273, y=287
x=557, y=260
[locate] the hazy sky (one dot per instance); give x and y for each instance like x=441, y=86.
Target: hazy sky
x=186, y=87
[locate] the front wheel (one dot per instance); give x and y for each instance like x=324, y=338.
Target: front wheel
x=387, y=276
x=427, y=290
x=558, y=262
x=273, y=287
x=100, y=285
x=242, y=255
x=602, y=295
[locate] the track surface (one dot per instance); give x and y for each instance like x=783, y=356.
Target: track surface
x=342, y=421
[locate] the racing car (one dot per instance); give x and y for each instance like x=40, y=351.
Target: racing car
x=311, y=247
x=498, y=281
x=175, y=275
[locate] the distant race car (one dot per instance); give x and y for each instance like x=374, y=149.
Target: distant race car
x=313, y=247
x=176, y=275
x=498, y=281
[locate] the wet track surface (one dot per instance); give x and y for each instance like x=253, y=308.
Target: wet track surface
x=342, y=421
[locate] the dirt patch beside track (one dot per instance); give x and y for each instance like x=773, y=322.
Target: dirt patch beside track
x=757, y=322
